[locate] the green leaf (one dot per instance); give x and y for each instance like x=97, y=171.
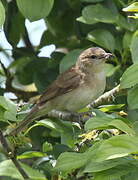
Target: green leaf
x=64, y=129
x=129, y=77
x=31, y=154
x=117, y=146
x=132, y=98
x=111, y=107
x=7, y=168
x=103, y=38
x=69, y=161
x=133, y=47
x=81, y=19
x=106, y=123
x=123, y=23
x=97, y=123
x=110, y=69
x=119, y=124
x=7, y=109
x=132, y=8
x=34, y=9
x=2, y=14
x=115, y=173
x=98, y=13
x=104, y=165
x=47, y=147
x=69, y=59
x=132, y=175
x=127, y=40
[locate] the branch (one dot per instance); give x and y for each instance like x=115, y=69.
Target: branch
x=11, y=156
x=106, y=97
x=27, y=41
x=68, y=116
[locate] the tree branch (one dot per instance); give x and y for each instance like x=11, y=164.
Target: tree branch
x=106, y=97
x=9, y=153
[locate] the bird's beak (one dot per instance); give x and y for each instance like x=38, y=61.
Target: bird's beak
x=108, y=56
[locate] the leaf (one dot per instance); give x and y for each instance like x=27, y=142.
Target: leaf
x=123, y=23
x=110, y=69
x=132, y=175
x=134, y=17
x=133, y=47
x=127, y=40
x=98, y=13
x=69, y=59
x=2, y=14
x=9, y=109
x=47, y=147
x=129, y=77
x=107, y=123
x=7, y=168
x=132, y=98
x=34, y=9
x=69, y=161
x=103, y=38
x=122, y=126
x=81, y=19
x=92, y=1
x=97, y=123
x=111, y=107
x=64, y=128
x=31, y=154
x=104, y=165
x=132, y=8
x=12, y=35
x=117, y=146
x=115, y=173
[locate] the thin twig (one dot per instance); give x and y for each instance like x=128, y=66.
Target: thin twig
x=106, y=97
x=11, y=156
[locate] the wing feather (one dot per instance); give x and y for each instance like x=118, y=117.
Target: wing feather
x=65, y=82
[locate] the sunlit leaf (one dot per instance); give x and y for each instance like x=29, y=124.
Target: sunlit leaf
x=35, y=10
x=131, y=8
x=117, y=146
x=31, y=154
x=2, y=14
x=129, y=77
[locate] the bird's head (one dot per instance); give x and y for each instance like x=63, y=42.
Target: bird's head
x=93, y=57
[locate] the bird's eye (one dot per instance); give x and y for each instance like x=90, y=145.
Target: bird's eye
x=93, y=57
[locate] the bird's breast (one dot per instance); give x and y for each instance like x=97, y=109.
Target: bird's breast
x=82, y=95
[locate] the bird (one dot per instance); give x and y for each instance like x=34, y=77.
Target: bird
x=73, y=89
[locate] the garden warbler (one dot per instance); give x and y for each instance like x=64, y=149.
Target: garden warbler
x=73, y=89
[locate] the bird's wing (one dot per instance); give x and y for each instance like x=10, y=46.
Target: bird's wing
x=65, y=82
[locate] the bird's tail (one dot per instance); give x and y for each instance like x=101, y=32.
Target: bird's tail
x=22, y=125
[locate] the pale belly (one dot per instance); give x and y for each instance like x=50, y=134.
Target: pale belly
x=78, y=98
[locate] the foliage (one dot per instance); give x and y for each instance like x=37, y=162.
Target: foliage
x=106, y=146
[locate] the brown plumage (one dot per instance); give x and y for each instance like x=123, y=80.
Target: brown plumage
x=74, y=88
